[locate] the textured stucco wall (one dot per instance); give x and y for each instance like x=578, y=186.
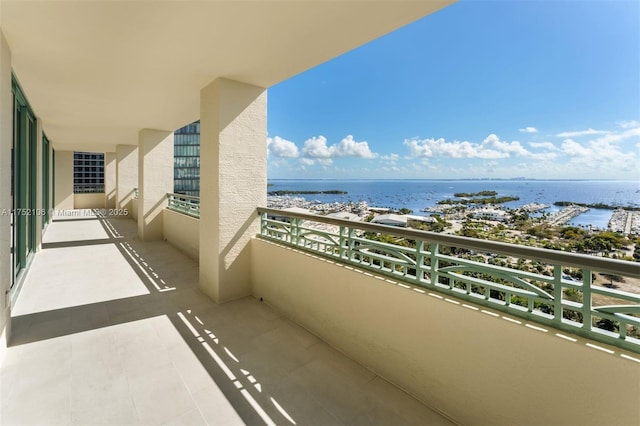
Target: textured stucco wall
x=126, y=175
x=233, y=181
x=474, y=367
x=182, y=232
x=155, y=180
x=110, y=180
x=88, y=201
x=64, y=180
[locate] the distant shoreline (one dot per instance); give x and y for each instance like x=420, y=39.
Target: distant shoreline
x=602, y=206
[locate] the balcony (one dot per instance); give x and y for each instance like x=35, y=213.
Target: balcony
x=112, y=330
x=434, y=315
x=110, y=320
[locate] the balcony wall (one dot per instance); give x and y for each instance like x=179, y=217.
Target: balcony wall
x=89, y=201
x=473, y=365
x=182, y=232
x=132, y=207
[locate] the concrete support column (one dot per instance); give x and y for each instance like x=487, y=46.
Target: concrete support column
x=110, y=180
x=233, y=182
x=155, y=180
x=64, y=181
x=126, y=175
x=6, y=126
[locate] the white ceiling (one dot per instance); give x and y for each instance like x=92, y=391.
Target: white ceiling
x=96, y=72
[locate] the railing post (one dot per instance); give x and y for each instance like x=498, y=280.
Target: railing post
x=419, y=261
x=263, y=223
x=434, y=264
x=351, y=242
x=586, y=299
x=344, y=242
x=295, y=228
x=557, y=293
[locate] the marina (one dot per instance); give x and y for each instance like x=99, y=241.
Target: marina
x=536, y=197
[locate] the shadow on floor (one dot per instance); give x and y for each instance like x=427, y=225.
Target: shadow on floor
x=241, y=353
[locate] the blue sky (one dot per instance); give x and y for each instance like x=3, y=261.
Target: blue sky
x=480, y=89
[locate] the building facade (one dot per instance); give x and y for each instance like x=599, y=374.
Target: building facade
x=186, y=153
x=88, y=172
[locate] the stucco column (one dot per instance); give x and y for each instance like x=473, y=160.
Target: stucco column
x=110, y=180
x=126, y=175
x=155, y=180
x=6, y=126
x=233, y=182
x=64, y=199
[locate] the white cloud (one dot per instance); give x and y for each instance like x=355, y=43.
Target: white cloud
x=546, y=145
x=529, y=130
x=582, y=133
x=390, y=158
x=602, y=154
x=617, y=137
x=574, y=149
x=325, y=161
x=281, y=148
x=307, y=161
x=316, y=147
x=628, y=124
x=419, y=148
x=350, y=148
x=491, y=148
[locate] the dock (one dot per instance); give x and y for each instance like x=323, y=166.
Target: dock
x=566, y=214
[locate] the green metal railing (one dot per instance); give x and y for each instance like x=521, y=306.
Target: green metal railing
x=466, y=269
x=184, y=204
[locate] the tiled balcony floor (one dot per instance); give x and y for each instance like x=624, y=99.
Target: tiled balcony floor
x=110, y=330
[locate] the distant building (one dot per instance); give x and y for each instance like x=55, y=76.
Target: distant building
x=88, y=172
x=401, y=220
x=186, y=160
x=490, y=214
x=344, y=215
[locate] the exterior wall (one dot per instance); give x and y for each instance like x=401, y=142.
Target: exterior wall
x=126, y=175
x=110, y=180
x=89, y=201
x=6, y=126
x=64, y=199
x=475, y=367
x=233, y=181
x=182, y=232
x=155, y=180
x=133, y=209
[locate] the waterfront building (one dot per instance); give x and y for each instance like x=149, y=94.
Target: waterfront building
x=402, y=220
x=490, y=213
x=120, y=310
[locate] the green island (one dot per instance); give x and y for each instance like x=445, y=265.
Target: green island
x=595, y=205
x=475, y=194
x=290, y=192
x=485, y=200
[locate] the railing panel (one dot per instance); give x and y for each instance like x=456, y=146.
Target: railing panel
x=526, y=282
x=184, y=204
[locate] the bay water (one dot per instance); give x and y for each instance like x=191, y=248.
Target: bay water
x=420, y=194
